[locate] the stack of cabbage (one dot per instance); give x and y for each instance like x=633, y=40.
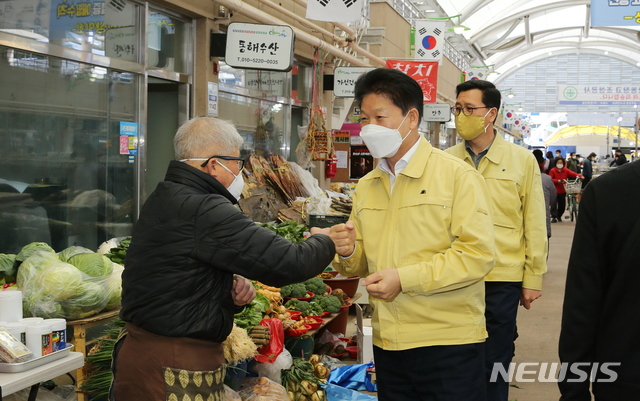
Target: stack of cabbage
x=73, y=284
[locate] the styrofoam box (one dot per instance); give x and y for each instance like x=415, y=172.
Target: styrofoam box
x=365, y=337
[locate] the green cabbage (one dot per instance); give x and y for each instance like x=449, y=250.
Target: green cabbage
x=113, y=287
x=29, y=249
x=72, y=251
x=8, y=267
x=59, y=281
x=92, y=264
x=35, y=263
x=91, y=300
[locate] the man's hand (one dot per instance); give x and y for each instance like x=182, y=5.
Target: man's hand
x=243, y=291
x=529, y=296
x=342, y=235
x=384, y=284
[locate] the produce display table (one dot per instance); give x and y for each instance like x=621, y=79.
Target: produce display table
x=78, y=338
x=12, y=382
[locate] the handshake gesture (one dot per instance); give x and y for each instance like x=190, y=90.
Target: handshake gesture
x=342, y=235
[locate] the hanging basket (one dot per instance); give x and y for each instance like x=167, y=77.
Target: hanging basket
x=319, y=141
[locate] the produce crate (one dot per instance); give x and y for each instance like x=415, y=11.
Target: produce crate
x=322, y=221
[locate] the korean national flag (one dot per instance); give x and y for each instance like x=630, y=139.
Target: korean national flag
x=335, y=10
x=477, y=73
x=429, y=40
x=509, y=116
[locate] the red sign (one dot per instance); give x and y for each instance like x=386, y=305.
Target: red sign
x=424, y=72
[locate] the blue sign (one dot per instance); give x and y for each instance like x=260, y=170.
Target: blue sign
x=615, y=13
x=129, y=129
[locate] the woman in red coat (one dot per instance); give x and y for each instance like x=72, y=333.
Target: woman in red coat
x=559, y=175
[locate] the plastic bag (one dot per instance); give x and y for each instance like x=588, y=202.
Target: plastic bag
x=336, y=339
x=230, y=395
x=337, y=393
x=331, y=363
x=270, y=352
x=85, y=286
x=262, y=389
x=353, y=376
x=273, y=370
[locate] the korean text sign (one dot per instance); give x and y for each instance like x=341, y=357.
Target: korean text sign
x=599, y=94
x=615, y=12
x=259, y=47
x=424, y=72
x=344, y=80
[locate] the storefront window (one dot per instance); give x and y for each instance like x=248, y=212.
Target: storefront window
x=63, y=179
x=274, y=83
x=100, y=27
x=168, y=42
x=260, y=122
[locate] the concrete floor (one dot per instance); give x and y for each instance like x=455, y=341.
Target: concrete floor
x=539, y=327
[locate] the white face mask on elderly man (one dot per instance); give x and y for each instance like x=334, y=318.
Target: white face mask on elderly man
x=235, y=188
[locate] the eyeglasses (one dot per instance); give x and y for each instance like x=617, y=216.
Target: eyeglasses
x=468, y=111
x=239, y=160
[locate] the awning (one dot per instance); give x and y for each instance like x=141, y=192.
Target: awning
x=590, y=130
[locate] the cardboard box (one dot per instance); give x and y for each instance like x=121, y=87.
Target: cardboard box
x=365, y=337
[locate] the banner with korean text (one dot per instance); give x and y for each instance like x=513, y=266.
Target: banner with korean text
x=424, y=72
x=599, y=94
x=615, y=13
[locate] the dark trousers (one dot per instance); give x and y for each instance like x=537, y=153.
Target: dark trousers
x=562, y=205
x=436, y=373
x=502, y=299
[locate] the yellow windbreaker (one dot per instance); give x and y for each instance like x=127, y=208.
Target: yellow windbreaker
x=512, y=176
x=436, y=230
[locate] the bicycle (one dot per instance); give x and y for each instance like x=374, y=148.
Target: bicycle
x=573, y=188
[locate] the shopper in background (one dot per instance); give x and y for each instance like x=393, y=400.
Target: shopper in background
x=550, y=193
x=587, y=169
x=512, y=176
x=572, y=163
x=599, y=317
x=559, y=174
x=183, y=278
x=619, y=159
x=421, y=233
x=547, y=162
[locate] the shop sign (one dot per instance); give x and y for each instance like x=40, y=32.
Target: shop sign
x=259, y=47
x=615, y=13
x=599, y=94
x=341, y=136
x=212, y=99
x=344, y=80
x=437, y=112
x=128, y=138
x=424, y=72
x=121, y=43
x=270, y=82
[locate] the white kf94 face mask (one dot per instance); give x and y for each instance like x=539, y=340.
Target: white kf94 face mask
x=381, y=141
x=235, y=189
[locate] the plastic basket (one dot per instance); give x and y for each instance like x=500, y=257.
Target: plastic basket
x=573, y=187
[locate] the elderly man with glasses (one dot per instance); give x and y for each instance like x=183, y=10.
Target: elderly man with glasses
x=184, y=274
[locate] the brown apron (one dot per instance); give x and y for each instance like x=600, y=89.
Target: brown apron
x=149, y=367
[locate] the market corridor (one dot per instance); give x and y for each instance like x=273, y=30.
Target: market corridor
x=539, y=328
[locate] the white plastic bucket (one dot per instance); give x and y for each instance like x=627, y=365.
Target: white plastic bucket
x=39, y=339
x=19, y=331
x=58, y=333
x=31, y=320
x=10, y=305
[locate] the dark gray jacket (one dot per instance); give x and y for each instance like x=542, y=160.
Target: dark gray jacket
x=186, y=246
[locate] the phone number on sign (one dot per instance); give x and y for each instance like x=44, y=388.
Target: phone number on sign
x=256, y=60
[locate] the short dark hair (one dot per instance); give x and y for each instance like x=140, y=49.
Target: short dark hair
x=400, y=88
x=491, y=96
x=592, y=154
x=572, y=153
x=558, y=151
x=538, y=155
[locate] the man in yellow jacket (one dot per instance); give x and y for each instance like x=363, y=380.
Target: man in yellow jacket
x=512, y=176
x=421, y=233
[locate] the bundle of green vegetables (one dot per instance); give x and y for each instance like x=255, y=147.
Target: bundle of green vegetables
x=290, y=230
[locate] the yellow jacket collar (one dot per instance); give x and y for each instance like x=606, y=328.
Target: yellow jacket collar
x=416, y=165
